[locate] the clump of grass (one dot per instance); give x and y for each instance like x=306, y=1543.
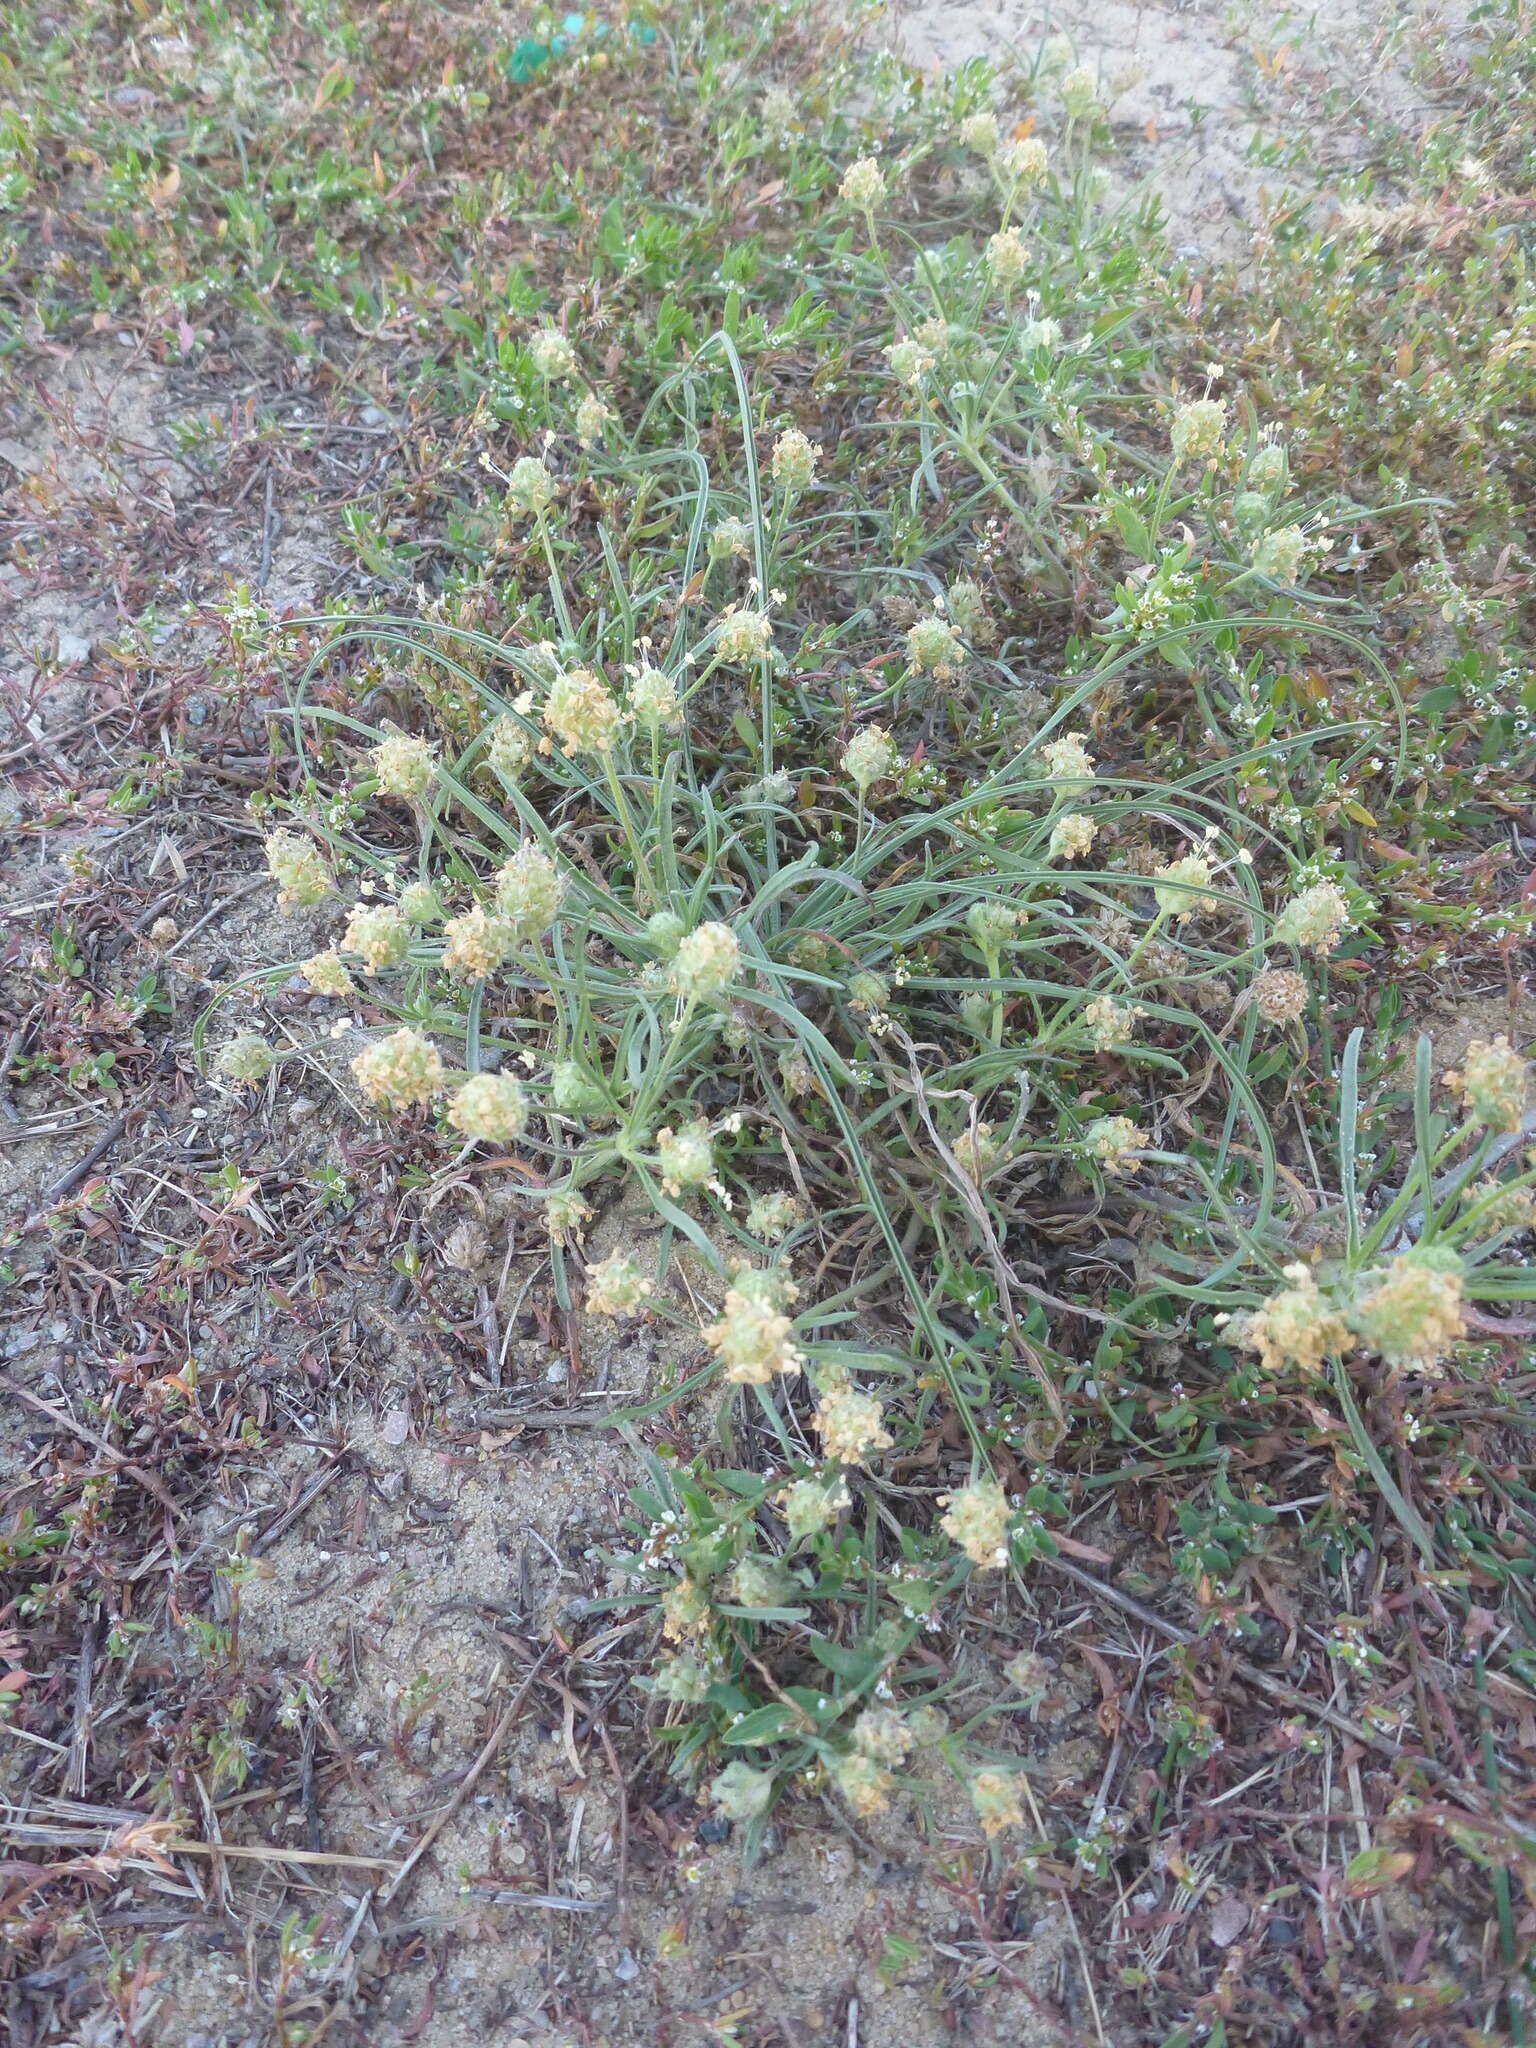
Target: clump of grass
x=695, y=932
x=918, y=759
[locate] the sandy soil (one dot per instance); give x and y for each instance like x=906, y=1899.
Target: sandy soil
x=1202, y=95
x=560, y=1902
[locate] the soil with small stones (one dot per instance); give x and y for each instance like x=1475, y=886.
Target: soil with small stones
x=384, y=1487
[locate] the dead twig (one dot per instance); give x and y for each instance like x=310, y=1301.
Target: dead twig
x=73, y=1175
x=65, y=1421
x=470, y=1779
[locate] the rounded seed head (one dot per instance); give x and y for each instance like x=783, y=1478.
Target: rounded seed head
x=1072, y=835
x=1268, y=470
x=1280, y=554
x=653, y=699
x=1176, y=885
x=976, y=1518
x=772, y=1216
x=863, y=184
x=1023, y=161
x=1414, y=1314
x=741, y=1792
x=489, y=1108
x=1299, y=1328
x=296, y=865
x=1494, y=1082
x=378, y=934
x=730, y=536
x=933, y=648
x=979, y=132
x=403, y=764
x=582, y=712
x=1279, y=995
x=869, y=757
x=743, y=635
x=530, y=487
x=247, y=1059
x=617, y=1287
x=1067, y=761
x=1007, y=258
x=1314, y=920
x=1198, y=429
x=552, y=354
x=528, y=891
x=705, y=962
x=851, y=1425
x=794, y=459
x=327, y=975
x=811, y=1505
x=475, y=944
x=397, y=1071
x=1114, y=1142
x=1079, y=93
x=418, y=904
x=592, y=417
x=686, y=1158
x=995, y=1796
x=866, y=1785
x=910, y=360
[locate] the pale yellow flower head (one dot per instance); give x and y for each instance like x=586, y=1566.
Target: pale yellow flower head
x=296, y=865
x=378, y=934
x=1114, y=1142
x=933, y=648
x=529, y=887
x=582, y=712
x=743, y=635
x=863, y=184
x=397, y=1071
x=1494, y=1082
x=995, y=1796
x=1007, y=259
x=851, y=1425
x=327, y=975
x=1023, y=161
x=1314, y=920
x=1072, y=836
x=869, y=757
x=617, y=1287
x=552, y=354
x=653, y=699
x=475, y=944
x=1198, y=430
x=866, y=1785
x=705, y=962
x=592, y=417
x=247, y=1058
x=492, y=1109
x=686, y=1157
x=794, y=459
x=979, y=132
x=1297, y=1328
x=976, y=1519
x=1067, y=762
x=754, y=1340
x=403, y=764
x=1176, y=885
x=1414, y=1315
x=530, y=487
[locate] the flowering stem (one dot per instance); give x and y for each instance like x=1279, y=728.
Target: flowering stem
x=556, y=588
x=656, y=1076
x=631, y=837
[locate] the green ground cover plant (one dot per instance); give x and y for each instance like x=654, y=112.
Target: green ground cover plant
x=881, y=735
